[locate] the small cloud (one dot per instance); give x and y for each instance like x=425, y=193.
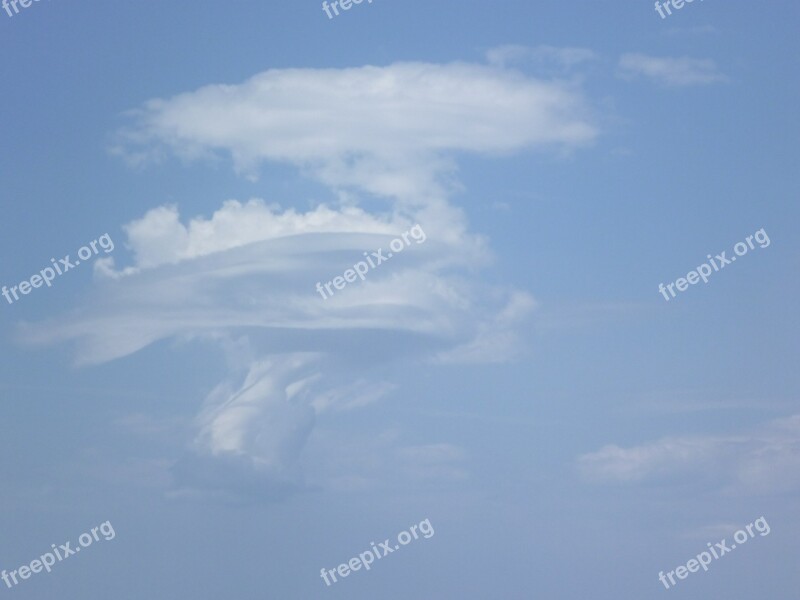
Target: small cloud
x=354, y=395
x=671, y=72
x=695, y=30
x=563, y=57
x=501, y=206
x=232, y=478
x=764, y=460
x=613, y=463
x=496, y=339
x=442, y=462
x=432, y=453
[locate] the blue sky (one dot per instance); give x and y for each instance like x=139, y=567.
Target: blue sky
x=516, y=378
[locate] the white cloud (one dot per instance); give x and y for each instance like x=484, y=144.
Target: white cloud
x=564, y=57
x=220, y=275
x=352, y=395
x=672, y=72
x=256, y=298
x=433, y=462
x=496, y=340
x=613, y=463
x=160, y=238
x=245, y=276
x=766, y=459
x=694, y=30
x=387, y=130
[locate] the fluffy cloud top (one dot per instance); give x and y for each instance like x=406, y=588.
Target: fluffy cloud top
x=160, y=238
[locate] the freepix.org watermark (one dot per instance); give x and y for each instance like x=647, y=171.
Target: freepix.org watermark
x=676, y=4
x=48, y=274
x=365, y=559
x=343, y=4
x=48, y=559
x=704, y=271
x=360, y=269
x=718, y=550
x=9, y=4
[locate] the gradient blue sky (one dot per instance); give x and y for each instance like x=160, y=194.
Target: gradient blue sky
x=517, y=379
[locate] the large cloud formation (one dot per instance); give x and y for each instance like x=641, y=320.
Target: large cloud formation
x=245, y=276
